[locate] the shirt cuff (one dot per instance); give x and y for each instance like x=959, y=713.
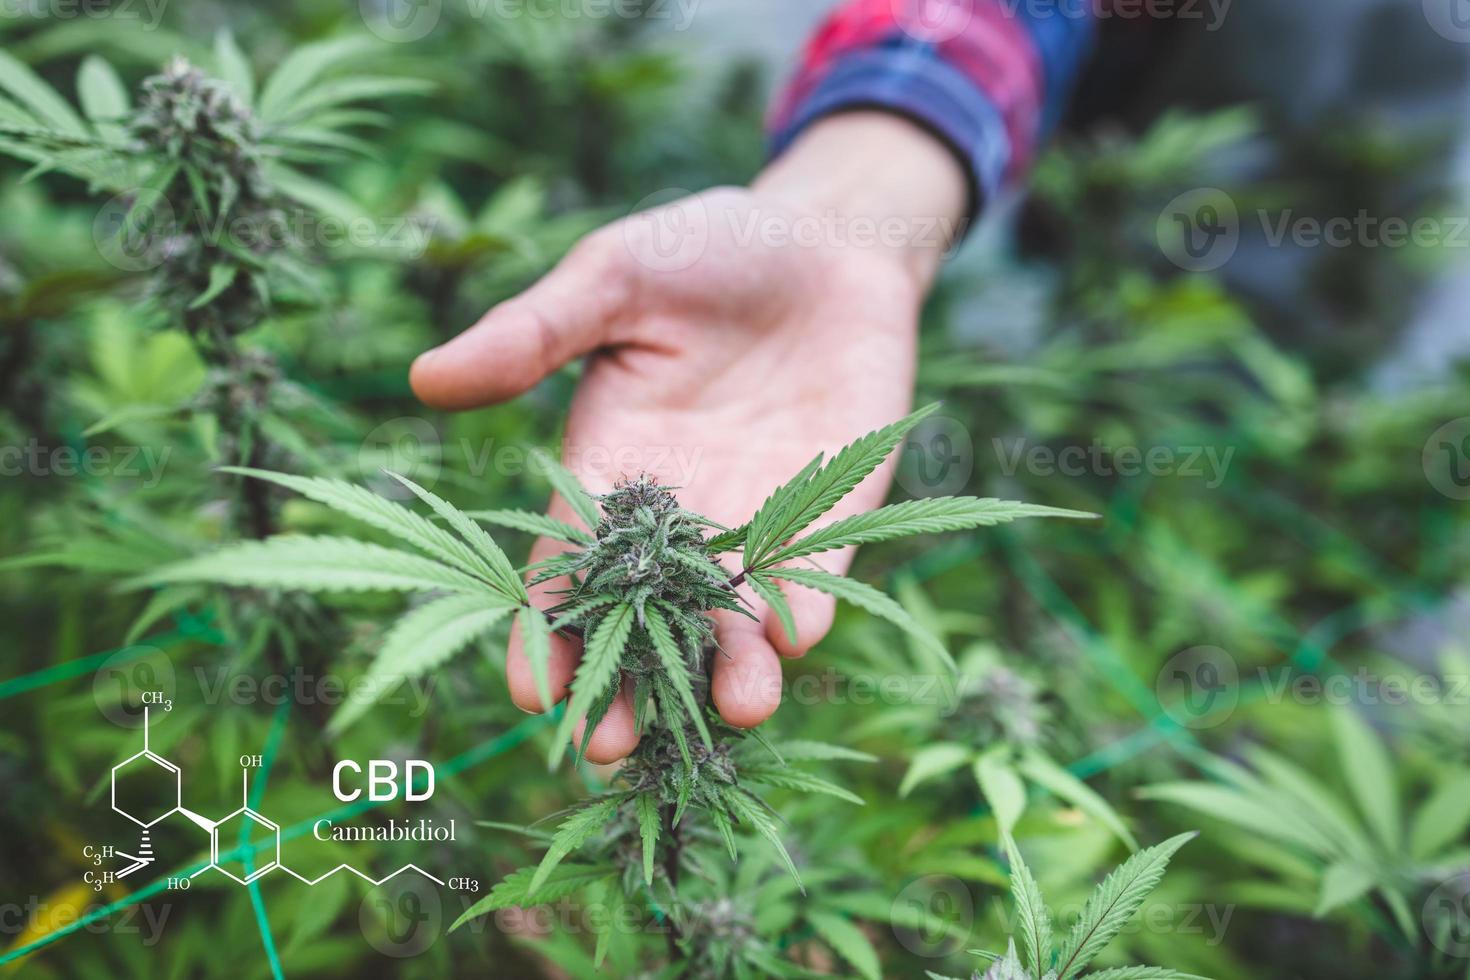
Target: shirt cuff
x=912, y=82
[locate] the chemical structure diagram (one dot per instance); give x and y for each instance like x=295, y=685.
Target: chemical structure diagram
x=240, y=822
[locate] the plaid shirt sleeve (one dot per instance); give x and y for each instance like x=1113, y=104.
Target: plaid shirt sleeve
x=989, y=77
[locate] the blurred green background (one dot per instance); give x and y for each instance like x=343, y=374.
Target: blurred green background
x=1266, y=638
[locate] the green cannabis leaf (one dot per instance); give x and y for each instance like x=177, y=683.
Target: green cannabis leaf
x=1104, y=915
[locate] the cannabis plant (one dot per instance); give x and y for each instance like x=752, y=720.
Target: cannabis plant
x=644, y=577
x=208, y=217
x=997, y=727
x=1350, y=842
x=1046, y=956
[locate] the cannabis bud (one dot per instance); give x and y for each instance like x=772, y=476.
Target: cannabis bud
x=199, y=121
x=216, y=205
x=1003, y=706
x=649, y=565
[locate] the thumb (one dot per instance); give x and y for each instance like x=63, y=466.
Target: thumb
x=572, y=311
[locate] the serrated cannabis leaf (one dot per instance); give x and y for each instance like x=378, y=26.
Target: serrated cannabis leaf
x=818, y=488
x=928, y=516
x=767, y=589
x=1031, y=912
x=648, y=829
x=364, y=505
x=316, y=564
x=533, y=523
x=420, y=641
x=1114, y=903
x=514, y=889
x=788, y=778
x=866, y=597
x=536, y=638
x=848, y=941
x=598, y=671
x=569, y=488
x=571, y=834
x=500, y=571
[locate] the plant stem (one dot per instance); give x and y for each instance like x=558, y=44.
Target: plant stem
x=672, y=854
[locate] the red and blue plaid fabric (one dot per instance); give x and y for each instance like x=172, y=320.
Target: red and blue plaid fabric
x=989, y=77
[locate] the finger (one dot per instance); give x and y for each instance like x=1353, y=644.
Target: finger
x=616, y=735
x=811, y=611
x=570, y=312
x=746, y=683
x=566, y=653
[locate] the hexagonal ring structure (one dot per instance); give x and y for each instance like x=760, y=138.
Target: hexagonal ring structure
x=248, y=814
x=160, y=762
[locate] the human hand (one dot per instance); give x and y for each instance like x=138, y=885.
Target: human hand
x=724, y=366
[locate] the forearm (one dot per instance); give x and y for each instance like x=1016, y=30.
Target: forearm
x=889, y=183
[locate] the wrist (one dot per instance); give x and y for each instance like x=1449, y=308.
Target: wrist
x=895, y=188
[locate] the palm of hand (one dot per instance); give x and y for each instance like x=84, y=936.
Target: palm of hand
x=721, y=367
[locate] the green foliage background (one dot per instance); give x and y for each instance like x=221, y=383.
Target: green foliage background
x=1330, y=833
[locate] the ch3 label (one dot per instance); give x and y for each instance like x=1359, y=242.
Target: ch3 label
x=383, y=780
